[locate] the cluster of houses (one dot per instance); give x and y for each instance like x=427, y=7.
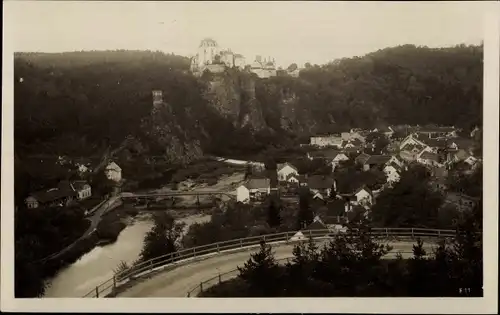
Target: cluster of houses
x=437, y=148
x=68, y=191
x=320, y=186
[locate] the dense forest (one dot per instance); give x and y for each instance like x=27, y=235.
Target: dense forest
x=399, y=85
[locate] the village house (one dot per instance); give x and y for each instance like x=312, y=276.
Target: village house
x=333, y=157
x=437, y=132
x=326, y=141
x=60, y=196
x=428, y=159
x=353, y=135
x=352, y=143
x=321, y=186
x=253, y=189
x=292, y=178
x=457, y=156
x=472, y=161
x=82, y=189
x=377, y=161
x=386, y=131
x=363, y=197
x=411, y=143
x=393, y=173
x=284, y=170
x=53, y=197
x=351, y=151
x=362, y=158
x=113, y=172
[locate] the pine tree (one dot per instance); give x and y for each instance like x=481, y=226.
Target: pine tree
x=261, y=272
x=273, y=214
x=305, y=215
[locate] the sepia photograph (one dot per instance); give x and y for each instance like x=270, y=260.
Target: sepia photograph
x=234, y=150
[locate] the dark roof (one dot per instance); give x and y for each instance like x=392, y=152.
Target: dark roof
x=378, y=159
x=352, y=150
x=327, y=154
x=79, y=184
x=320, y=182
x=362, y=158
x=356, y=142
x=428, y=129
x=52, y=195
x=463, y=143
x=256, y=183
x=436, y=143
x=429, y=156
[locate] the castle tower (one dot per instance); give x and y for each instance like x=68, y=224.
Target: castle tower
x=207, y=51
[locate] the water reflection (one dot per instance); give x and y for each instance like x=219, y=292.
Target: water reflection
x=97, y=266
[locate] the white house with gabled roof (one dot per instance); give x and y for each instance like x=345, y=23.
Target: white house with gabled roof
x=253, y=188
x=113, y=172
x=286, y=169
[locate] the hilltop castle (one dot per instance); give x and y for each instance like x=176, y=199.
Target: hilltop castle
x=211, y=57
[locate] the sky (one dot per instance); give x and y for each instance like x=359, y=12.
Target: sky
x=316, y=32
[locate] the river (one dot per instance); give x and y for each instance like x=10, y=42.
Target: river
x=97, y=266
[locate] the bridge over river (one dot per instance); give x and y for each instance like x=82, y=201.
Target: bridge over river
x=191, y=270
x=154, y=195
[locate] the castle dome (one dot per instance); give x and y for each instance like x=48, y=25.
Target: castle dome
x=208, y=42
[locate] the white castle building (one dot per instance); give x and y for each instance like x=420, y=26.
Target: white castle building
x=263, y=68
x=211, y=57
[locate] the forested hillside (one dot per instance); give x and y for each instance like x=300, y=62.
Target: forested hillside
x=400, y=85
x=80, y=103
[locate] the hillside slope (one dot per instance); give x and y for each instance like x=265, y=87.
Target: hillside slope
x=81, y=103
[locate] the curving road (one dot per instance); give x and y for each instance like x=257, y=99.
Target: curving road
x=177, y=282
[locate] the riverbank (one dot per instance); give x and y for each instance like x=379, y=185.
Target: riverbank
x=100, y=262
x=119, y=236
